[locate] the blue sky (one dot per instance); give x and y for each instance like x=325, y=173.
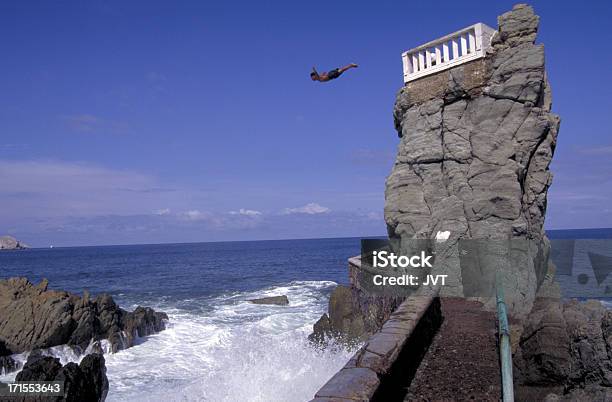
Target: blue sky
x=148, y=121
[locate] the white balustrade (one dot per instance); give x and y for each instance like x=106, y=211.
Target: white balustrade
x=449, y=51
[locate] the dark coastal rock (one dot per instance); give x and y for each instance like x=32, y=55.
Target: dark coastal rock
x=321, y=330
x=590, y=394
x=39, y=368
x=143, y=321
x=32, y=317
x=352, y=316
x=83, y=382
x=277, y=300
x=7, y=364
x=343, y=316
x=476, y=144
x=10, y=243
x=565, y=349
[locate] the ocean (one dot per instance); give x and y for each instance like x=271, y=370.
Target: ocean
x=218, y=346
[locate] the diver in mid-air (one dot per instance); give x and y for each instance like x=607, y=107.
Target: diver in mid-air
x=330, y=75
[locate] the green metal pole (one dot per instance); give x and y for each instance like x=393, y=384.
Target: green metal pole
x=505, y=351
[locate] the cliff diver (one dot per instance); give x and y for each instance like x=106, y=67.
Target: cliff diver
x=331, y=74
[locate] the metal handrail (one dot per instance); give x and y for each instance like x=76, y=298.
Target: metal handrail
x=505, y=351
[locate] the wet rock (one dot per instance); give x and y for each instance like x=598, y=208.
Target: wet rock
x=39, y=368
x=7, y=364
x=568, y=345
x=34, y=317
x=276, y=300
x=322, y=330
x=352, y=316
x=86, y=381
x=344, y=318
x=143, y=321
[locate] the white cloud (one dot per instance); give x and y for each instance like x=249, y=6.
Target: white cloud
x=194, y=215
x=163, y=211
x=374, y=216
x=311, y=209
x=55, y=188
x=246, y=212
x=88, y=123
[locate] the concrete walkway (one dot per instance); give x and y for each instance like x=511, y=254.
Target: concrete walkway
x=462, y=362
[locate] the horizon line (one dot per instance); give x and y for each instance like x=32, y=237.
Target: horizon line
x=262, y=240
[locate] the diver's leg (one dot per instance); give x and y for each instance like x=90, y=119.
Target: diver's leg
x=347, y=67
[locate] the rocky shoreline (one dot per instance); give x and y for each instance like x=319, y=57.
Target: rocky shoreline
x=353, y=316
x=34, y=318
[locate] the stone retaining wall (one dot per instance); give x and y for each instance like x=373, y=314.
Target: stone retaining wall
x=386, y=363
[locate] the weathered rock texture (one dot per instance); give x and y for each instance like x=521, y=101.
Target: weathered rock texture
x=7, y=364
x=352, y=315
x=476, y=144
x=565, y=349
x=32, y=317
x=86, y=381
x=10, y=243
x=275, y=300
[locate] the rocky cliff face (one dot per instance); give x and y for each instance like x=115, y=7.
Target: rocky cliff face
x=10, y=243
x=32, y=317
x=565, y=352
x=476, y=142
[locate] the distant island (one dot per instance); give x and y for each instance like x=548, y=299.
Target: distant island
x=10, y=243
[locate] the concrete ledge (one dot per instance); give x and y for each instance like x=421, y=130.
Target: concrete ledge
x=352, y=383
x=365, y=373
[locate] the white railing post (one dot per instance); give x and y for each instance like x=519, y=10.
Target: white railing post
x=478, y=33
x=449, y=51
x=472, y=41
x=463, y=45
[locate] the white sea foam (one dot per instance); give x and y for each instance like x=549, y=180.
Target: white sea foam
x=238, y=352
x=64, y=353
x=233, y=351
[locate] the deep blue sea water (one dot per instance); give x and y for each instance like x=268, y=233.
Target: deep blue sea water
x=218, y=346
x=175, y=272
